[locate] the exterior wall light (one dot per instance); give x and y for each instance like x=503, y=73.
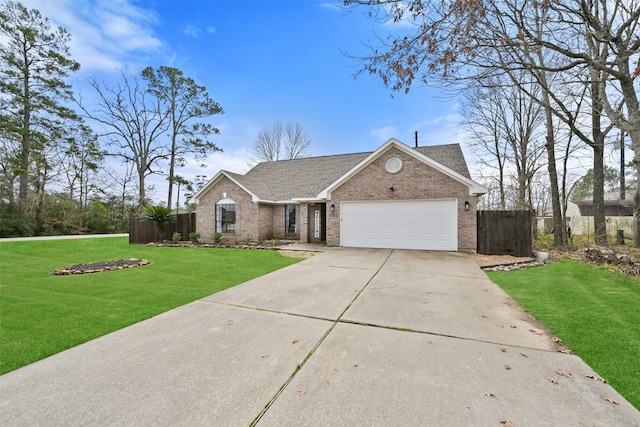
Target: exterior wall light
x=332, y=209
x=467, y=206
x=392, y=188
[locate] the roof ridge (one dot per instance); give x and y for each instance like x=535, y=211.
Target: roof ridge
x=349, y=154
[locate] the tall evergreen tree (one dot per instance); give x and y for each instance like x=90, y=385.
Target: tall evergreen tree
x=186, y=104
x=34, y=61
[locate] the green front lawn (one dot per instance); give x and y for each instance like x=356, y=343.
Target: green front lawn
x=594, y=311
x=41, y=315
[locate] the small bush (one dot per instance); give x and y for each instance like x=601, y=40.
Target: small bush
x=194, y=237
x=177, y=237
x=218, y=237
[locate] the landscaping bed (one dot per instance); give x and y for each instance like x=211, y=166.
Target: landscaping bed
x=96, y=267
x=275, y=244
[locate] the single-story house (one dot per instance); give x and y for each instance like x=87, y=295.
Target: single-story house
x=395, y=197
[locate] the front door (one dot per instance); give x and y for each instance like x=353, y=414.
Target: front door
x=317, y=224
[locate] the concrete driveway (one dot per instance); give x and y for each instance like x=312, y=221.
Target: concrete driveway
x=348, y=337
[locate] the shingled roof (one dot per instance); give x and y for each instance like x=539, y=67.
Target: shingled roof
x=305, y=178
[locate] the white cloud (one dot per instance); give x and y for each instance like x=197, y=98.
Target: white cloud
x=334, y=6
x=192, y=31
x=211, y=29
x=384, y=133
x=105, y=35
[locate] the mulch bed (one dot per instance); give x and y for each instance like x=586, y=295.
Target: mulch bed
x=267, y=244
x=97, y=267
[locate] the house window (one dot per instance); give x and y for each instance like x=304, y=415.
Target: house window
x=226, y=216
x=290, y=219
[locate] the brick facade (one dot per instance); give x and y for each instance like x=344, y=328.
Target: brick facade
x=247, y=212
x=415, y=181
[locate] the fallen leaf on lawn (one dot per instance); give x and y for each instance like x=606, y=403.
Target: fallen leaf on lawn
x=507, y=367
x=553, y=380
x=491, y=395
x=506, y=422
x=557, y=340
x=504, y=350
x=612, y=401
x=564, y=373
x=524, y=355
x=565, y=350
x=596, y=377
x=303, y=390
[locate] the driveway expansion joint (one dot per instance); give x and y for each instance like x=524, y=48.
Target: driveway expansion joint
x=316, y=346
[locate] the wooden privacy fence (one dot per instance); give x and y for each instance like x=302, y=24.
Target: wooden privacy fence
x=504, y=233
x=145, y=231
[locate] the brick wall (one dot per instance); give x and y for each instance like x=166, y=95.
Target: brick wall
x=415, y=181
x=247, y=215
x=266, y=215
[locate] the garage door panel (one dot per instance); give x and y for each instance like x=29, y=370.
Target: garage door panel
x=409, y=224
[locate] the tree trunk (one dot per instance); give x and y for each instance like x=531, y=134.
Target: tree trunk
x=599, y=220
x=559, y=230
x=142, y=196
x=172, y=163
x=174, y=135
x=26, y=146
x=633, y=128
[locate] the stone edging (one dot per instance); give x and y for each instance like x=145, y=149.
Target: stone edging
x=98, y=267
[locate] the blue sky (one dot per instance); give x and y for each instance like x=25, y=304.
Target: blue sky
x=263, y=61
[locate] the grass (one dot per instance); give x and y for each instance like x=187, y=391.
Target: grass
x=41, y=315
x=594, y=311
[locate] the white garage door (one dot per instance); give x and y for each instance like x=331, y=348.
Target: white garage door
x=406, y=224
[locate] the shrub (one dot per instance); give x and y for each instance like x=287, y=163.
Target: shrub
x=218, y=237
x=194, y=237
x=160, y=215
x=176, y=237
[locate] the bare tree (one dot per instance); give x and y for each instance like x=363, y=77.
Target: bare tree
x=277, y=143
x=463, y=39
x=482, y=121
x=505, y=124
x=297, y=143
x=131, y=124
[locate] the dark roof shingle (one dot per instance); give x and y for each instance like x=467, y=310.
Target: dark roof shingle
x=305, y=178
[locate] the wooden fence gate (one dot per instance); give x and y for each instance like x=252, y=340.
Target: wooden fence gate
x=504, y=233
x=145, y=231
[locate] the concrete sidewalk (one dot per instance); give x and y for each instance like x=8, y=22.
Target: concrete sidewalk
x=347, y=337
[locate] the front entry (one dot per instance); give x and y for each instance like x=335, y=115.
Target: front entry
x=316, y=222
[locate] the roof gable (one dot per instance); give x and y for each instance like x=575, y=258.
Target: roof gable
x=313, y=178
x=234, y=177
x=474, y=187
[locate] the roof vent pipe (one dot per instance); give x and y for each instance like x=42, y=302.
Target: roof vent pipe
x=416, y=139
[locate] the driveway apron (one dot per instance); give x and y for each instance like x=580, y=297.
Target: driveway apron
x=347, y=337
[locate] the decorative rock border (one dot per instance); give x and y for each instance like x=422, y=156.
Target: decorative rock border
x=514, y=266
x=603, y=256
x=97, y=267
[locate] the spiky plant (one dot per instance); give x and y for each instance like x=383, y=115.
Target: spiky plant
x=160, y=215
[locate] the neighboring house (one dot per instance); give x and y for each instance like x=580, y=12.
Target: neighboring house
x=394, y=197
x=618, y=214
